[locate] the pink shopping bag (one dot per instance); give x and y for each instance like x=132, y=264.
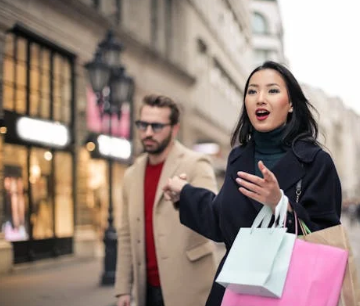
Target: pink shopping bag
x=314, y=278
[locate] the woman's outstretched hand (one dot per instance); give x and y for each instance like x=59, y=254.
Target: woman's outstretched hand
x=265, y=190
x=174, y=186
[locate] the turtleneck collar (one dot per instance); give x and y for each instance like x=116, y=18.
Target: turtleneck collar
x=269, y=142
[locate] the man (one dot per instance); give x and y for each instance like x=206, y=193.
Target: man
x=160, y=261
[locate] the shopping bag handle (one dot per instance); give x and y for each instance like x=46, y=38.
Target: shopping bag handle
x=264, y=216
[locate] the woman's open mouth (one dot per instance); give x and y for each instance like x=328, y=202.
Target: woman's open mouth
x=262, y=114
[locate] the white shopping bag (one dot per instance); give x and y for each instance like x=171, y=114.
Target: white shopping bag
x=259, y=258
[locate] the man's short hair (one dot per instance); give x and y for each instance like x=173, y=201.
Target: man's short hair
x=163, y=101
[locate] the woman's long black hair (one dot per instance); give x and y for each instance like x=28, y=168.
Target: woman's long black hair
x=300, y=123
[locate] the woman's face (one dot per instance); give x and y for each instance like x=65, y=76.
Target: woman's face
x=267, y=101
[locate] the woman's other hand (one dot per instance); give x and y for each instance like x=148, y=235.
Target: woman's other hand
x=174, y=186
x=265, y=190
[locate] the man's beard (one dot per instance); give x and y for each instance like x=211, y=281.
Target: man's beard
x=161, y=146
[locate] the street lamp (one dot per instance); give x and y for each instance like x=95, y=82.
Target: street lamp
x=112, y=87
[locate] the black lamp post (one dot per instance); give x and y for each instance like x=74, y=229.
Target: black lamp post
x=112, y=88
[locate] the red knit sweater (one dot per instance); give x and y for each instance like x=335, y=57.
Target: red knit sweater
x=152, y=176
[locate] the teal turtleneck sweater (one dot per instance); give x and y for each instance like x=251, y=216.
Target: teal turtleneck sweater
x=268, y=148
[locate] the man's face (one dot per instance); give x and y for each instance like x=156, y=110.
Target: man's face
x=155, y=138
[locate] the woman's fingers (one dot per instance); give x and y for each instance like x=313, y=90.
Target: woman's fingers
x=264, y=190
x=171, y=196
x=183, y=176
x=249, y=186
x=167, y=196
x=251, y=194
x=267, y=174
x=250, y=178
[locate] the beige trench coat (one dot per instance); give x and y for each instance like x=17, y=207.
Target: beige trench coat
x=186, y=260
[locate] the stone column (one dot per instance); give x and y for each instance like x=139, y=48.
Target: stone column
x=6, y=252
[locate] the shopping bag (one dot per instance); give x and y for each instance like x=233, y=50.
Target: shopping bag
x=336, y=236
x=315, y=277
x=259, y=258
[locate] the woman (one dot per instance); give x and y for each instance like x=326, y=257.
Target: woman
x=278, y=150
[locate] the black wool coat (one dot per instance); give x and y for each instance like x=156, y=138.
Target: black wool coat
x=219, y=217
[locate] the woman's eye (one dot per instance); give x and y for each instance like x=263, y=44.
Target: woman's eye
x=251, y=91
x=274, y=90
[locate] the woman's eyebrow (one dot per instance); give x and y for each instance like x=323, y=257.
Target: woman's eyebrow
x=268, y=85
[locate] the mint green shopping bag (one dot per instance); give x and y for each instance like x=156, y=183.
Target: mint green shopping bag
x=259, y=258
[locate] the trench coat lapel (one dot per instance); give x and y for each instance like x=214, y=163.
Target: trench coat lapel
x=172, y=162
x=288, y=171
x=138, y=209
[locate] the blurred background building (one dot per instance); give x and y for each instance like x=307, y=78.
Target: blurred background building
x=267, y=32
x=54, y=189
x=339, y=128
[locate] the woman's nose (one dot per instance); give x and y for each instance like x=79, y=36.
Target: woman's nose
x=260, y=98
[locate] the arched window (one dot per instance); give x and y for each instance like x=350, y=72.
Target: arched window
x=259, y=24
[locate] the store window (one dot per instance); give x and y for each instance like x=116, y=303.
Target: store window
x=37, y=80
x=15, y=188
x=64, y=213
x=38, y=184
x=98, y=197
x=41, y=197
x=98, y=191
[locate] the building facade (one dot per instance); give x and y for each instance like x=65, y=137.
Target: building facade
x=54, y=191
x=218, y=38
x=338, y=128
x=267, y=32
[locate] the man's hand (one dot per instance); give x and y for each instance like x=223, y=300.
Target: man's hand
x=124, y=300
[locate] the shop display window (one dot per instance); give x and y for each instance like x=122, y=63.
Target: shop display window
x=45, y=72
x=41, y=194
x=15, y=224
x=64, y=207
x=98, y=192
x=98, y=197
x=37, y=185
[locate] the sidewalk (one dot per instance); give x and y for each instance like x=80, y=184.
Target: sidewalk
x=61, y=282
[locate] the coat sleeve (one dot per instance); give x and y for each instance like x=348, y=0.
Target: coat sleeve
x=320, y=200
x=124, y=268
x=199, y=204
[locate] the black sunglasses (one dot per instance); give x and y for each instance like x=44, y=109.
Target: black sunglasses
x=155, y=126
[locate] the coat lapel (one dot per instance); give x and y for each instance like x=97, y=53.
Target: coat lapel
x=138, y=207
x=172, y=162
x=289, y=170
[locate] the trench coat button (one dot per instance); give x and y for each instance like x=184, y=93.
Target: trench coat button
x=139, y=241
x=138, y=219
x=139, y=263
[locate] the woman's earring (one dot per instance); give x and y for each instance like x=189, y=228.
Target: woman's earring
x=290, y=110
